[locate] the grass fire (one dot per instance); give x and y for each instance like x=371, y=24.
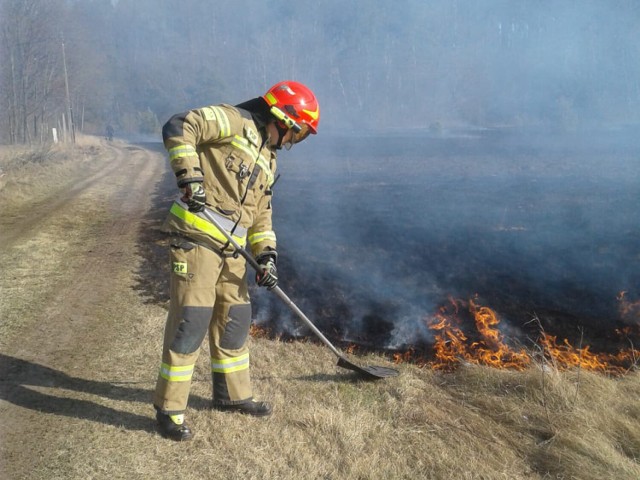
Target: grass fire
x=506, y=250
x=465, y=332
x=452, y=346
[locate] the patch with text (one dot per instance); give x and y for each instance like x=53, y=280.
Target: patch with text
x=180, y=268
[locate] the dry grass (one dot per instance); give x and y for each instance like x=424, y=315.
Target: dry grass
x=475, y=423
x=81, y=401
x=30, y=174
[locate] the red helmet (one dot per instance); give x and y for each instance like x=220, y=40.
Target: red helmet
x=296, y=106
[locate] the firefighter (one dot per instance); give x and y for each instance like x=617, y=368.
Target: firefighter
x=224, y=160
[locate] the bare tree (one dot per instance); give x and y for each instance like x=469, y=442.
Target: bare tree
x=30, y=47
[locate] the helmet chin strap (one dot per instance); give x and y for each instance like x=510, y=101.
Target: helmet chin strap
x=282, y=131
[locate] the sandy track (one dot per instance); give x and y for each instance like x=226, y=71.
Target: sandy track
x=37, y=214
x=71, y=265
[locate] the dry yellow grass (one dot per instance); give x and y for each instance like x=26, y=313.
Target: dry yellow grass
x=79, y=355
x=32, y=174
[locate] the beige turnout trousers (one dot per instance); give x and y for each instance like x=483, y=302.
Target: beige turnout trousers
x=208, y=295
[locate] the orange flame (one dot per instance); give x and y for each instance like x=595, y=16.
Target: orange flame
x=404, y=357
x=452, y=347
x=257, y=331
x=568, y=356
x=492, y=350
x=351, y=348
x=451, y=344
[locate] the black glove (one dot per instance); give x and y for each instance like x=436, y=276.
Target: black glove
x=268, y=277
x=193, y=195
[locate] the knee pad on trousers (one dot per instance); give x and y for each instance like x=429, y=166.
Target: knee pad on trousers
x=237, y=328
x=192, y=329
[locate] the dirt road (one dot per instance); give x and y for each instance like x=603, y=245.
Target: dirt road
x=71, y=370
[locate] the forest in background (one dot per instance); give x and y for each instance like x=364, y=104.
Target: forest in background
x=375, y=66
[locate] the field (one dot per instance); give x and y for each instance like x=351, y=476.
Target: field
x=82, y=309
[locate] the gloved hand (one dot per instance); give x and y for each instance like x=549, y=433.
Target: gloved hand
x=268, y=277
x=193, y=195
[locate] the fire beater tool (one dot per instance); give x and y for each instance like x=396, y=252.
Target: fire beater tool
x=372, y=372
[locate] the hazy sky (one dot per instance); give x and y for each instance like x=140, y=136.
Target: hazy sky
x=391, y=64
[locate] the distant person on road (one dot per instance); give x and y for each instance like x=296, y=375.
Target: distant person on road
x=224, y=159
x=109, y=132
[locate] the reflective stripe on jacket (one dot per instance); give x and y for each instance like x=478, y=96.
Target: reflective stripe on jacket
x=197, y=221
x=222, y=147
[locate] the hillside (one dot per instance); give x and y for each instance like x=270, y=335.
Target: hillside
x=82, y=308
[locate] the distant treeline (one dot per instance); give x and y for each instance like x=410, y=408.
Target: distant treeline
x=384, y=65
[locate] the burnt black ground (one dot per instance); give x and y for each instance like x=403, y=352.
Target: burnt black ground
x=375, y=233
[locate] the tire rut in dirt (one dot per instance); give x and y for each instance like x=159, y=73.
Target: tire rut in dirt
x=40, y=212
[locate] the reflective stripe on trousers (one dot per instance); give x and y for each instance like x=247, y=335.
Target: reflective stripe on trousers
x=230, y=365
x=173, y=373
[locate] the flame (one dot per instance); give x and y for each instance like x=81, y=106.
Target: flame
x=408, y=356
x=568, y=356
x=450, y=342
x=455, y=342
x=258, y=331
x=495, y=352
x=453, y=347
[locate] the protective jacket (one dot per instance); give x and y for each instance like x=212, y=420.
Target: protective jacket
x=227, y=149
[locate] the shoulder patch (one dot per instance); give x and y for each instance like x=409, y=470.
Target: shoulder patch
x=208, y=113
x=252, y=136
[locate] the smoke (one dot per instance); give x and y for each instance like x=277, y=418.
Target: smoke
x=375, y=233
x=376, y=66
x=477, y=148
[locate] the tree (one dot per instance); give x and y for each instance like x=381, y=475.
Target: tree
x=31, y=86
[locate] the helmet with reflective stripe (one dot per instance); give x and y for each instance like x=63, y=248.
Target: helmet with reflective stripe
x=296, y=106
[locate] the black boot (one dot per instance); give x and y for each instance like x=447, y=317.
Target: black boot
x=256, y=409
x=172, y=430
